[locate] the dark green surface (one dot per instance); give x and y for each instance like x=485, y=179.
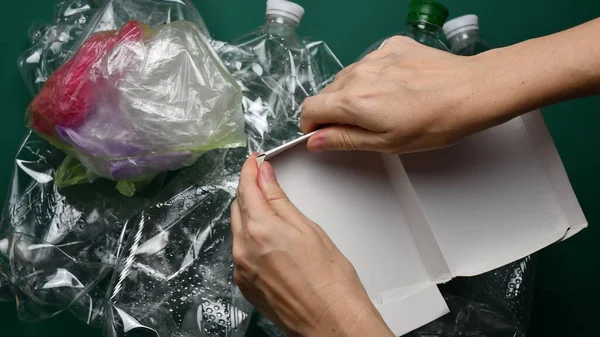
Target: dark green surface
x=566, y=296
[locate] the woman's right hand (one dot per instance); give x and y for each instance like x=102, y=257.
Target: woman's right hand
x=407, y=97
x=403, y=97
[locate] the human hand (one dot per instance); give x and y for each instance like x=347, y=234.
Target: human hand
x=403, y=97
x=289, y=268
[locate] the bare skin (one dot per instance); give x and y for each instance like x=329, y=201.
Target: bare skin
x=288, y=267
x=402, y=98
x=406, y=97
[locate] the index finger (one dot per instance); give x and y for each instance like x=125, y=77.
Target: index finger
x=250, y=198
x=322, y=109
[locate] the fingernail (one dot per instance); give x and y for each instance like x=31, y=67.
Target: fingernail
x=267, y=172
x=317, y=142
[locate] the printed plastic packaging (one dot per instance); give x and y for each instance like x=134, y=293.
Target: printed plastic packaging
x=423, y=24
x=174, y=277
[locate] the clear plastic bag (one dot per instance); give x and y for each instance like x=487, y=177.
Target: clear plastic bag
x=175, y=276
x=132, y=103
x=58, y=246
x=74, y=20
x=494, y=304
x=469, y=318
x=52, y=44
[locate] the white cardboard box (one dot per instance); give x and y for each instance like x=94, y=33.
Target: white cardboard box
x=410, y=222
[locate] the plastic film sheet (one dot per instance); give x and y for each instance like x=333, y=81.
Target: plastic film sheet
x=175, y=278
x=157, y=263
x=136, y=101
x=58, y=246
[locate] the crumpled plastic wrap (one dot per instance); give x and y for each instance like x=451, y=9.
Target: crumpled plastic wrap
x=494, y=304
x=506, y=292
x=58, y=246
x=132, y=103
x=469, y=318
x=75, y=20
x=175, y=276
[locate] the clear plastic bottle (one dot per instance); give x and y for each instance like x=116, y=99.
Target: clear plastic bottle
x=276, y=72
x=463, y=35
x=424, y=24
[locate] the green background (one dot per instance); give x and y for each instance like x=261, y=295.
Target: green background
x=566, y=296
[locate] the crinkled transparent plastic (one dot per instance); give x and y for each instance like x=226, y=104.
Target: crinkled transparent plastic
x=75, y=20
x=469, y=318
x=164, y=269
x=494, y=304
x=58, y=247
x=132, y=103
x=175, y=275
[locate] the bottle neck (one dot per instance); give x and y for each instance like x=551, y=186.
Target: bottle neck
x=280, y=25
x=423, y=26
x=462, y=40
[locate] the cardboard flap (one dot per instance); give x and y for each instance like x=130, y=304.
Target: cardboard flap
x=413, y=310
x=542, y=143
x=429, y=250
x=350, y=196
x=491, y=200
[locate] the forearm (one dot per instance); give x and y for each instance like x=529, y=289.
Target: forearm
x=542, y=71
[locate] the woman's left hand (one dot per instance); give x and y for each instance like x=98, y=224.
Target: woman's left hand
x=290, y=269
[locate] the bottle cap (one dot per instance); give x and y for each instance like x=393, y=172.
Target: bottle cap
x=429, y=11
x=286, y=9
x=461, y=24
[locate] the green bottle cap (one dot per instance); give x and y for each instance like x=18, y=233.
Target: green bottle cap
x=429, y=11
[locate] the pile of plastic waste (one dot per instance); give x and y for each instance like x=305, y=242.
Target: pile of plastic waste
x=154, y=256
x=118, y=208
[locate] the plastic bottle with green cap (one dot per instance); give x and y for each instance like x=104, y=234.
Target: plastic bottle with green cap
x=424, y=24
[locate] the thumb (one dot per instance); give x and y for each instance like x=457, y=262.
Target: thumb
x=345, y=138
x=275, y=196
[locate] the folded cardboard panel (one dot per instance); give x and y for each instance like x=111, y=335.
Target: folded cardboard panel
x=408, y=222
x=350, y=195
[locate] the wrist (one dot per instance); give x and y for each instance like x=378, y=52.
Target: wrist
x=539, y=72
x=501, y=88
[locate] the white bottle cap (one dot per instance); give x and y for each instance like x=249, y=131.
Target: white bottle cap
x=461, y=24
x=286, y=9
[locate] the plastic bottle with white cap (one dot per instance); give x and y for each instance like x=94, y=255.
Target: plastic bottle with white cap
x=462, y=34
x=277, y=71
x=284, y=12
